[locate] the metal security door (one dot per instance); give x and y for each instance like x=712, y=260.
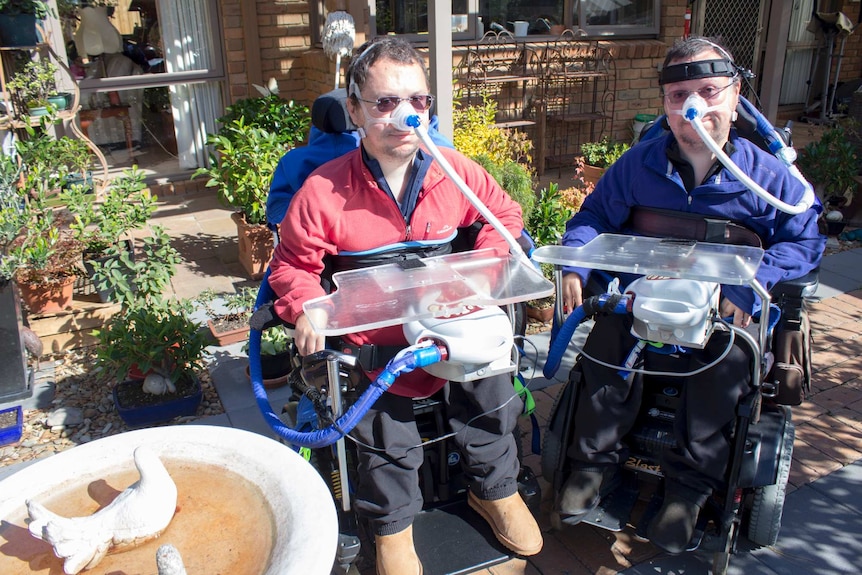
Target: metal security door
x=739, y=23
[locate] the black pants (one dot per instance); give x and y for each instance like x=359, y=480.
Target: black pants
x=608, y=406
x=388, y=493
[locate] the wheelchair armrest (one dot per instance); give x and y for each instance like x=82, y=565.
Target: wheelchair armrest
x=801, y=287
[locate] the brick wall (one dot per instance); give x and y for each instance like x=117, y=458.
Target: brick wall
x=283, y=35
x=282, y=49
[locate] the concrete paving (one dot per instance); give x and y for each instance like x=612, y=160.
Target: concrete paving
x=822, y=520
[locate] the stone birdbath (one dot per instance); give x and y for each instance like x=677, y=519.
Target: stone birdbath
x=246, y=504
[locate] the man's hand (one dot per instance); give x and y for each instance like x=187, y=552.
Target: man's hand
x=728, y=308
x=306, y=339
x=572, y=292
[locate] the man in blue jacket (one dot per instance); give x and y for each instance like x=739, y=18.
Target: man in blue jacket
x=679, y=172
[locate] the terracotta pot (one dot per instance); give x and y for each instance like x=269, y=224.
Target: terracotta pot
x=592, y=173
x=542, y=314
x=41, y=299
x=255, y=246
x=224, y=338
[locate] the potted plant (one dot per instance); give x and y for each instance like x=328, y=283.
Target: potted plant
x=104, y=226
x=159, y=339
x=546, y=225
x=51, y=164
x=831, y=165
x=229, y=326
x=18, y=21
x=152, y=336
x=254, y=136
x=33, y=87
x=596, y=157
x=276, y=356
x=36, y=252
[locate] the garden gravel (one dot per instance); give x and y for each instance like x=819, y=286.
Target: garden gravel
x=82, y=409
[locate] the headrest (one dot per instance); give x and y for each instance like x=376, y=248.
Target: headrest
x=329, y=112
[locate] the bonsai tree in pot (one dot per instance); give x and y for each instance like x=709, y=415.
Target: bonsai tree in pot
x=151, y=347
x=160, y=341
x=33, y=86
x=255, y=134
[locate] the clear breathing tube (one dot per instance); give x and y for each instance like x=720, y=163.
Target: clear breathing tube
x=405, y=118
x=695, y=108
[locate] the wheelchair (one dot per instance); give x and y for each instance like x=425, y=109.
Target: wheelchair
x=763, y=435
x=328, y=394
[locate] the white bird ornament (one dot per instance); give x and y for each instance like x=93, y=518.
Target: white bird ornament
x=138, y=514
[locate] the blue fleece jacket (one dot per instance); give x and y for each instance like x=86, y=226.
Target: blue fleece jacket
x=644, y=176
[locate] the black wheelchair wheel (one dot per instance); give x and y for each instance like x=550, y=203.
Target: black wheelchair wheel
x=768, y=502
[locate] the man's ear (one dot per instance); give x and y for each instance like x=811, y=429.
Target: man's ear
x=355, y=111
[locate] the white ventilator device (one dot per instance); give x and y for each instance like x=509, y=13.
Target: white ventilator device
x=674, y=311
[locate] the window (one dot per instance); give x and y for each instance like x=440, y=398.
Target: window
x=616, y=17
x=470, y=18
x=150, y=75
x=410, y=17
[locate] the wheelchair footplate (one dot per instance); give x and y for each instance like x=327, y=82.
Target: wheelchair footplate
x=697, y=537
x=614, y=509
x=453, y=539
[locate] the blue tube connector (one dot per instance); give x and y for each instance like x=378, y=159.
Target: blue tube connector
x=405, y=362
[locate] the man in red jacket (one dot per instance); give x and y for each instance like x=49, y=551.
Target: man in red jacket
x=390, y=199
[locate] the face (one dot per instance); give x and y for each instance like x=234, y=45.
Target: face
x=384, y=142
x=717, y=122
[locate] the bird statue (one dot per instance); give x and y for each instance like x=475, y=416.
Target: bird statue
x=169, y=561
x=138, y=514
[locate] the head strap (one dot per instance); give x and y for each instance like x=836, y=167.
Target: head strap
x=697, y=70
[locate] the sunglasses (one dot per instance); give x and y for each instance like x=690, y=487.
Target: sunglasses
x=708, y=93
x=384, y=105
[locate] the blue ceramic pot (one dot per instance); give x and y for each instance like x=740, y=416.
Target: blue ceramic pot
x=171, y=407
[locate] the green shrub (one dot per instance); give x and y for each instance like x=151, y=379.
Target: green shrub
x=505, y=154
x=603, y=153
x=548, y=219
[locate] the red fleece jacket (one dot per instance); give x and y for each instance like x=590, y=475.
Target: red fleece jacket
x=340, y=208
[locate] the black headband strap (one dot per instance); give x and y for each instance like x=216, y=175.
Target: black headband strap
x=697, y=70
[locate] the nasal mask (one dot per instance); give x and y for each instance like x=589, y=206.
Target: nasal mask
x=402, y=117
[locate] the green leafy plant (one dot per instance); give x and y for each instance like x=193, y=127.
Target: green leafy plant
x=273, y=341
x=138, y=279
x=34, y=82
x=49, y=163
x=156, y=337
x=38, y=8
x=513, y=177
x=505, y=154
x=603, y=153
x=241, y=167
x=125, y=206
x=830, y=164
x=288, y=120
x=548, y=219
